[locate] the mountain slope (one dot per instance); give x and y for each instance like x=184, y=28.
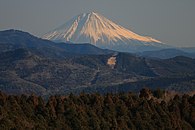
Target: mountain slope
x=32, y=65
x=14, y=39
x=96, y=29
x=22, y=71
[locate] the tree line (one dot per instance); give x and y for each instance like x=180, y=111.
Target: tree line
x=122, y=111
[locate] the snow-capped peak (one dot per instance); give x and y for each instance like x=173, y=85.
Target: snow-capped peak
x=95, y=29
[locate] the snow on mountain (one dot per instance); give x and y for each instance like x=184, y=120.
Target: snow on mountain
x=96, y=29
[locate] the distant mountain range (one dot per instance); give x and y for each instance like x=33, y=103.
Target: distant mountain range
x=95, y=29
x=32, y=65
x=168, y=53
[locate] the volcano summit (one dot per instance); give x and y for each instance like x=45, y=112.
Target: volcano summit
x=96, y=29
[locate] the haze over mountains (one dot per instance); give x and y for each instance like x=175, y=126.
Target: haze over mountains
x=96, y=29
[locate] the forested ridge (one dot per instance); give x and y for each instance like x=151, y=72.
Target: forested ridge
x=122, y=111
x=32, y=65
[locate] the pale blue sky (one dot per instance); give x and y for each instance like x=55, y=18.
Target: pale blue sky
x=170, y=21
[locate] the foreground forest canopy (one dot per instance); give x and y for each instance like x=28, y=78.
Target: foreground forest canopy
x=98, y=112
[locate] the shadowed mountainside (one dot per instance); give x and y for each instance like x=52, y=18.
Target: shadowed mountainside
x=32, y=65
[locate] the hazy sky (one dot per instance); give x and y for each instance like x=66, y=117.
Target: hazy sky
x=170, y=21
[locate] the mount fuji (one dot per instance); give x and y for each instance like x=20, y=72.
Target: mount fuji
x=95, y=29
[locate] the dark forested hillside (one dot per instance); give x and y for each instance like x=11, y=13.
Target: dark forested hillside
x=98, y=112
x=32, y=65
